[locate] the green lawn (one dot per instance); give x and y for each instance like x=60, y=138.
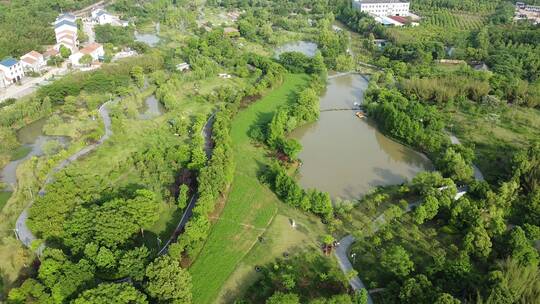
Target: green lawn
x=4, y=197
x=250, y=207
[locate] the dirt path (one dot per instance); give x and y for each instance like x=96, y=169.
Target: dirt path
x=23, y=232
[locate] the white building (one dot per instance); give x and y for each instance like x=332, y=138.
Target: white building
x=12, y=71
x=383, y=7
x=32, y=61
x=95, y=50
x=102, y=17
x=65, y=30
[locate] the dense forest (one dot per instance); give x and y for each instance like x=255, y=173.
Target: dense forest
x=26, y=25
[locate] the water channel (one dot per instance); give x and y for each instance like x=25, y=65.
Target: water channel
x=152, y=108
x=347, y=156
x=307, y=48
x=31, y=136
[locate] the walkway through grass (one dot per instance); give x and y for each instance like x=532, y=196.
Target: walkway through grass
x=250, y=205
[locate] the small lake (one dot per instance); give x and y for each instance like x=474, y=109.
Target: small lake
x=307, y=48
x=152, y=108
x=347, y=156
x=31, y=136
x=148, y=38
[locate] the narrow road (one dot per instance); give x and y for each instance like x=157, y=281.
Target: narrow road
x=30, y=85
x=23, y=232
x=345, y=243
x=206, y=132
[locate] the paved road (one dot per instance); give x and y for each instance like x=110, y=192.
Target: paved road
x=206, y=132
x=23, y=232
x=30, y=85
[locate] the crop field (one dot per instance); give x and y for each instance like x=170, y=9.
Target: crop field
x=455, y=20
x=250, y=206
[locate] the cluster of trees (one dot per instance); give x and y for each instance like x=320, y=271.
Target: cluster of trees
x=212, y=181
x=304, y=109
x=62, y=280
x=418, y=125
x=117, y=35
x=114, y=78
x=297, y=62
x=178, y=14
x=306, y=277
x=288, y=189
x=444, y=89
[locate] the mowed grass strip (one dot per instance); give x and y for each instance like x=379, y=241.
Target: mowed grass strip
x=250, y=205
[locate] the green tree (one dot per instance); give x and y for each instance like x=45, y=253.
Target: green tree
x=167, y=281
x=183, y=197
x=137, y=73
x=478, y=242
x=446, y=298
x=283, y=298
x=123, y=293
x=64, y=51
x=397, y=261
x=86, y=59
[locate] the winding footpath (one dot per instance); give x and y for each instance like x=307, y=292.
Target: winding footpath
x=23, y=232
x=342, y=250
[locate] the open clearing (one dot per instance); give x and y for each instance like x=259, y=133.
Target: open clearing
x=250, y=207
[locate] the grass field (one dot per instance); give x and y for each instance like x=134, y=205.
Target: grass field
x=4, y=197
x=250, y=207
x=495, y=132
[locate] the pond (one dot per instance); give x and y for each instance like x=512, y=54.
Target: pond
x=347, y=156
x=148, y=38
x=32, y=138
x=305, y=47
x=152, y=108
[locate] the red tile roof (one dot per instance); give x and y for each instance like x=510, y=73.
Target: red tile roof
x=399, y=19
x=89, y=49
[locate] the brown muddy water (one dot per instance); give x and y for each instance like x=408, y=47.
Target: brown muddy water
x=347, y=156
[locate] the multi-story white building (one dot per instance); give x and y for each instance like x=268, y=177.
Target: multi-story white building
x=12, y=71
x=383, y=7
x=65, y=29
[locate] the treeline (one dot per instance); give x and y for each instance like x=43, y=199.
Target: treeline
x=117, y=35
x=304, y=109
x=214, y=178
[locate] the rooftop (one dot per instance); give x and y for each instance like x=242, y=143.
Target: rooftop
x=65, y=22
x=399, y=19
x=29, y=60
x=8, y=62
x=32, y=54
x=90, y=48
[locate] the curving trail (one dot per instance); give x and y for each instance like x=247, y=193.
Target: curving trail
x=21, y=228
x=207, y=134
x=345, y=243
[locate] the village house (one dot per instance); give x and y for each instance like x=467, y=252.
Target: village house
x=95, y=50
x=12, y=71
x=32, y=61
x=65, y=30
x=102, y=17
